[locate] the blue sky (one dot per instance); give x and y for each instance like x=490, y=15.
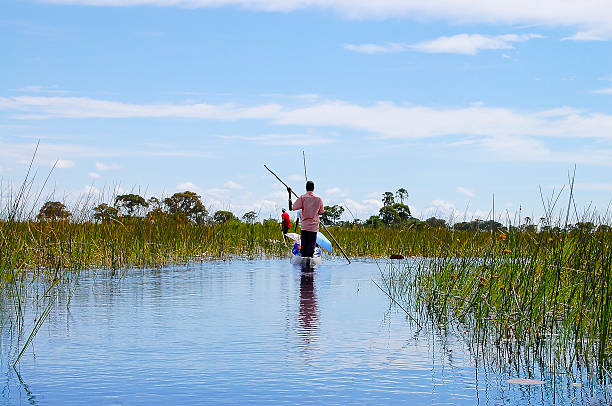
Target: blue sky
x=456, y=101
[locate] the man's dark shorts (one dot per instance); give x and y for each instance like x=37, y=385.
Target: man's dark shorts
x=309, y=239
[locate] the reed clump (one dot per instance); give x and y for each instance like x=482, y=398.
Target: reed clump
x=59, y=246
x=526, y=288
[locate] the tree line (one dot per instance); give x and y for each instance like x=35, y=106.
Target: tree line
x=187, y=207
x=183, y=207
x=397, y=215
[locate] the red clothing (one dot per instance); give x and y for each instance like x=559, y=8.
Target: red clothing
x=312, y=206
x=286, y=219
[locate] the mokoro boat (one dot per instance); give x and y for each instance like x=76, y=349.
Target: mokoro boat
x=308, y=262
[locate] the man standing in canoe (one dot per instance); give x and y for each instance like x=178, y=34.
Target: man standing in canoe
x=312, y=206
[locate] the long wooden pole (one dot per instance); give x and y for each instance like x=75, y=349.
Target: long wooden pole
x=295, y=194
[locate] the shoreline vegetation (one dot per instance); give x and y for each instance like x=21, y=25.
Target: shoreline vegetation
x=134, y=232
x=525, y=284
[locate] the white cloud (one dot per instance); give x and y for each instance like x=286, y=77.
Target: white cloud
x=218, y=192
x=465, y=191
x=336, y=191
x=511, y=134
x=390, y=47
x=447, y=210
x=233, y=185
x=63, y=164
x=277, y=195
x=90, y=190
x=83, y=107
x=284, y=139
x=373, y=203
x=189, y=186
x=101, y=166
x=383, y=118
x=603, y=91
x=594, y=186
x=592, y=35
x=409, y=121
x=471, y=44
x=466, y=44
x=590, y=15
x=362, y=209
x=94, y=175
x=443, y=205
x=296, y=178
x=42, y=89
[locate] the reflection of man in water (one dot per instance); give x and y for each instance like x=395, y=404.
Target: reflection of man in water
x=309, y=314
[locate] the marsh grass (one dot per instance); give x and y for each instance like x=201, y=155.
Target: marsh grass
x=516, y=290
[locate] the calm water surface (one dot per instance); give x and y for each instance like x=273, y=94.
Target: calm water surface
x=254, y=332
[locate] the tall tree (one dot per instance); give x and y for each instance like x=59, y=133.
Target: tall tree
x=105, y=213
x=249, y=217
x=388, y=199
x=332, y=214
x=403, y=211
x=401, y=194
x=155, y=203
x=53, y=211
x=374, y=221
x=187, y=206
x=435, y=222
x=130, y=203
x=389, y=215
x=223, y=216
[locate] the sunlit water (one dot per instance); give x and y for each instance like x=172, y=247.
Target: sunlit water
x=262, y=332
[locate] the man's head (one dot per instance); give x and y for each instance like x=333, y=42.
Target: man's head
x=283, y=210
x=309, y=186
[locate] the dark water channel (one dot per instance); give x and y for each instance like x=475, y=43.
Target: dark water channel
x=260, y=332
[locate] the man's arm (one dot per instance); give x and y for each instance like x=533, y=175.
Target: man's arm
x=299, y=204
x=321, y=207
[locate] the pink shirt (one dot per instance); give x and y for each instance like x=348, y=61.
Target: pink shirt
x=311, y=206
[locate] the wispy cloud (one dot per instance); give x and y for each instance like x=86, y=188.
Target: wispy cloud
x=336, y=192
x=387, y=48
x=384, y=118
x=230, y=184
x=42, y=89
x=63, y=164
x=83, y=107
x=471, y=44
x=447, y=210
x=101, y=166
x=591, y=35
x=594, y=186
x=299, y=139
x=362, y=209
x=465, y=44
x=465, y=191
x=296, y=178
x=591, y=15
x=94, y=175
x=513, y=134
x=181, y=187
x=603, y=91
